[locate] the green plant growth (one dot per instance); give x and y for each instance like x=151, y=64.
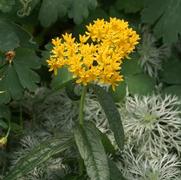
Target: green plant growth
x=74, y=126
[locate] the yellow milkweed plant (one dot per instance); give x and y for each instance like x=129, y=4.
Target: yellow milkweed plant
x=99, y=53
x=95, y=59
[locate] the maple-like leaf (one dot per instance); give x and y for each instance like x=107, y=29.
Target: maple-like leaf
x=165, y=16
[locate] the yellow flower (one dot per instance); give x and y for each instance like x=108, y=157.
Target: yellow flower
x=98, y=55
x=83, y=38
x=3, y=141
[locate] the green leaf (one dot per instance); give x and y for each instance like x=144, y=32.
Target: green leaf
x=63, y=76
x=92, y=151
x=112, y=114
x=39, y=155
x=174, y=90
x=166, y=16
x=76, y=9
x=130, y=6
x=8, y=38
x=11, y=85
x=5, y=96
x=46, y=53
x=19, y=75
x=115, y=172
x=119, y=93
x=171, y=72
x=130, y=67
x=24, y=62
x=109, y=148
x=70, y=90
x=51, y=10
x=140, y=84
x=25, y=37
x=79, y=9
x=94, y=14
x=3, y=124
x=6, y=5
x=5, y=112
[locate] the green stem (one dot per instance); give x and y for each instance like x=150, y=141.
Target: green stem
x=9, y=128
x=21, y=116
x=81, y=108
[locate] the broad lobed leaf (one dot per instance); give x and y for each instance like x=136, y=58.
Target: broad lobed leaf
x=76, y=9
x=166, y=17
x=19, y=75
x=6, y=5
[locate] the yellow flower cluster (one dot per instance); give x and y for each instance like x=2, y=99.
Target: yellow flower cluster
x=98, y=55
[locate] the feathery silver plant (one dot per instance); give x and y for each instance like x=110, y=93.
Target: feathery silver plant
x=54, y=111
x=50, y=170
x=151, y=57
x=152, y=123
x=139, y=167
x=94, y=112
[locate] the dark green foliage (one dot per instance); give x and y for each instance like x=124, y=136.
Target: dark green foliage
x=18, y=75
x=174, y=90
x=39, y=155
x=115, y=172
x=165, y=14
x=26, y=29
x=70, y=88
x=92, y=151
x=172, y=71
x=63, y=77
x=140, y=84
x=130, y=6
x=119, y=93
x=55, y=9
x=109, y=148
x=76, y=9
x=5, y=116
x=112, y=114
x=6, y=5
x=8, y=37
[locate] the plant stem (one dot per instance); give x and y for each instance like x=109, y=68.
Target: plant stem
x=21, y=116
x=81, y=108
x=9, y=128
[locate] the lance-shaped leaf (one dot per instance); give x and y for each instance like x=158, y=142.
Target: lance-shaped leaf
x=92, y=151
x=112, y=114
x=115, y=172
x=39, y=155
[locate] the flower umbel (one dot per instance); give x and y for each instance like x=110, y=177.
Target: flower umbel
x=98, y=55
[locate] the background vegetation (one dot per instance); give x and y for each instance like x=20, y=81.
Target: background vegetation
x=36, y=106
